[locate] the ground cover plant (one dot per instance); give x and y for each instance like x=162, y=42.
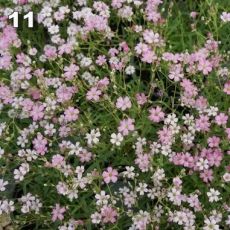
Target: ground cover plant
x=114, y=114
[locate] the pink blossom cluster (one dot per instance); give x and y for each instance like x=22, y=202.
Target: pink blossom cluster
x=105, y=125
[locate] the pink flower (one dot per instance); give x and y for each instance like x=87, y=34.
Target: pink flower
x=193, y=14
x=189, y=88
x=165, y=135
x=151, y=37
x=110, y=175
x=37, y=112
x=35, y=93
x=177, y=182
x=22, y=2
x=156, y=114
x=50, y=52
x=101, y=60
x=143, y=162
x=5, y=61
x=228, y=132
x=65, y=93
x=176, y=72
x=65, y=48
x=204, y=66
x=225, y=17
x=125, y=126
x=85, y=156
x=221, y=119
x=149, y=56
x=124, y=46
x=202, y=124
x=207, y=175
x=103, y=83
x=215, y=157
x=27, y=104
x=123, y=103
x=227, y=88
x=213, y=141
x=40, y=144
x=141, y=98
x=93, y=94
x=57, y=160
x=116, y=4
x=71, y=114
x=64, y=131
x=108, y=214
x=201, y=103
x=5, y=94
x=194, y=202
x=57, y=213
x=71, y=71
x=39, y=72
x=183, y=159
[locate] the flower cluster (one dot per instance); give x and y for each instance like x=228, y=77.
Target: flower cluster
x=109, y=121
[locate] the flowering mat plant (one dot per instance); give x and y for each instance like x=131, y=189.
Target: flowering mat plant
x=114, y=114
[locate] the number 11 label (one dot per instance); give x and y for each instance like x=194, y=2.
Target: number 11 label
x=29, y=16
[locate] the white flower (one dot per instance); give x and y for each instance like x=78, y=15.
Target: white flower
x=175, y=196
x=212, y=111
x=102, y=198
x=158, y=175
x=49, y=129
x=210, y=224
x=30, y=203
x=56, y=39
x=21, y=172
x=137, y=28
x=142, y=188
x=213, y=195
x=32, y=51
x=8, y=11
x=223, y=72
x=129, y=173
x=46, y=11
x=188, y=119
x=226, y=177
x=72, y=194
x=202, y=164
x=3, y=184
x=75, y=149
x=166, y=150
x=96, y=218
x=155, y=148
x=18, y=175
x=47, y=22
x=85, y=62
x=192, y=128
x=171, y=119
x=216, y=215
x=54, y=29
x=6, y=206
x=93, y=137
x=79, y=170
x=130, y=70
x=187, y=138
x=116, y=139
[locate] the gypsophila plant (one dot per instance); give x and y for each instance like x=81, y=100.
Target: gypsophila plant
x=115, y=114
